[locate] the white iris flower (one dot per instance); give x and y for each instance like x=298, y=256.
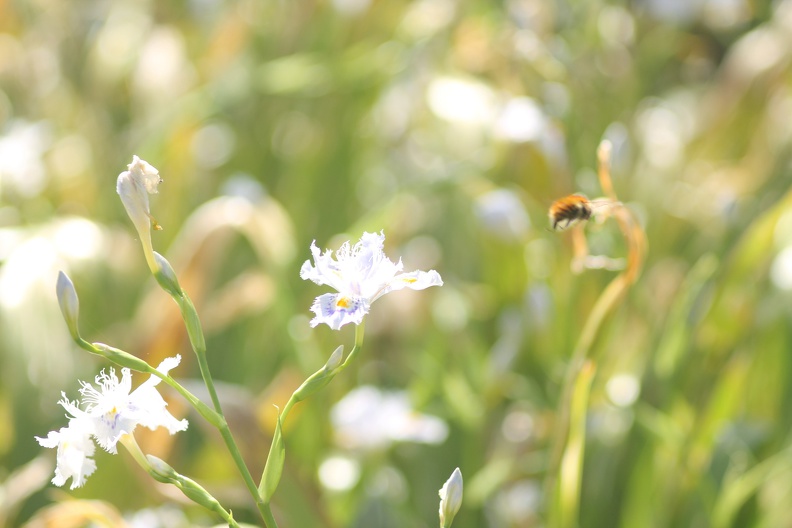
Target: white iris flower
x=75, y=450
x=110, y=411
x=361, y=275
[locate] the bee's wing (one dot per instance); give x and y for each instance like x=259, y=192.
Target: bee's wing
x=602, y=202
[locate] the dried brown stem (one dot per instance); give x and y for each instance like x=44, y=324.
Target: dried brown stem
x=635, y=240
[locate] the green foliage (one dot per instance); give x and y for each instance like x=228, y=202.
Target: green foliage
x=452, y=126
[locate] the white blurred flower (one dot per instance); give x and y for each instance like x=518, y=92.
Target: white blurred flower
x=351, y=8
x=781, y=269
x=22, y=147
x=462, y=101
x=133, y=186
x=361, y=275
x=427, y=17
x=339, y=473
x=450, y=498
x=623, y=389
x=110, y=412
x=517, y=504
x=502, y=213
x=166, y=516
x=521, y=120
x=75, y=450
x=163, y=71
x=368, y=418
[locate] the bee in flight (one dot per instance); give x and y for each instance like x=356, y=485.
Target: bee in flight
x=569, y=210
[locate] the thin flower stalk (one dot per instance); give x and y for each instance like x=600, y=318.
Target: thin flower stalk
x=635, y=240
x=318, y=380
x=360, y=274
x=133, y=187
x=162, y=472
x=198, y=343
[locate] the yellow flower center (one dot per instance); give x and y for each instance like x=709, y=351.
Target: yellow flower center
x=343, y=302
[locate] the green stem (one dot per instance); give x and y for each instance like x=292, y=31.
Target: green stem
x=203, y=365
x=567, y=499
x=359, y=332
x=198, y=342
x=289, y=404
x=295, y=397
x=263, y=507
x=191, y=490
x=603, y=306
x=266, y=513
x=316, y=381
x=211, y=416
x=131, y=445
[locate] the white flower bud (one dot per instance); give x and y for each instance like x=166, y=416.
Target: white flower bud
x=321, y=377
x=450, y=498
x=133, y=186
x=161, y=469
x=69, y=303
x=165, y=275
x=335, y=359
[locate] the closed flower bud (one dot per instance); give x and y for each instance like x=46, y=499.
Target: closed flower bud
x=69, y=303
x=166, y=277
x=198, y=494
x=321, y=377
x=450, y=498
x=160, y=470
x=133, y=186
x=335, y=359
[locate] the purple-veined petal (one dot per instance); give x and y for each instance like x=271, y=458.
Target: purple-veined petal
x=336, y=310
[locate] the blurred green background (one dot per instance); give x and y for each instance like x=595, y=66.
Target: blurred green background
x=452, y=125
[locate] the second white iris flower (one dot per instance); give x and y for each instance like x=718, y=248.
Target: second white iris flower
x=360, y=274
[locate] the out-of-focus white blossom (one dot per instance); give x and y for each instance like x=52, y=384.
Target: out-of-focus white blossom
x=521, y=119
x=339, y=473
x=462, y=101
x=781, y=269
x=22, y=147
x=502, y=213
x=623, y=389
x=368, y=418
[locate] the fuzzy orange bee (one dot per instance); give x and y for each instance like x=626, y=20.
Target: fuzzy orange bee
x=569, y=210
